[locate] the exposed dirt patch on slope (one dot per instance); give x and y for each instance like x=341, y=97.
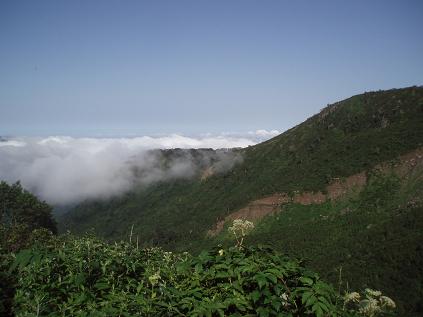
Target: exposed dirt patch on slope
x=308, y=198
x=337, y=189
x=260, y=208
x=255, y=210
x=407, y=162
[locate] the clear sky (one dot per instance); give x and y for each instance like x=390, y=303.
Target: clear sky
x=146, y=67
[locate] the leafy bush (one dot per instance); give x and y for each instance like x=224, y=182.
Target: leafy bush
x=20, y=207
x=24, y=219
x=87, y=277
x=7, y=281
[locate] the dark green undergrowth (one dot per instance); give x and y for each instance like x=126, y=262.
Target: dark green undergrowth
x=69, y=276
x=23, y=218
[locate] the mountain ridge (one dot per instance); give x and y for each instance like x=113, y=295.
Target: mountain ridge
x=307, y=156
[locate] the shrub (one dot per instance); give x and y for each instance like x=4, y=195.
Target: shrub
x=88, y=277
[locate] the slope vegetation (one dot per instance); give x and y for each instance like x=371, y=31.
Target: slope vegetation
x=337, y=189
x=344, y=139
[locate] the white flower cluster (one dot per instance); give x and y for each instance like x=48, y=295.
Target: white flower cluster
x=167, y=256
x=352, y=297
x=372, y=293
x=388, y=302
x=240, y=229
x=284, y=298
x=371, y=305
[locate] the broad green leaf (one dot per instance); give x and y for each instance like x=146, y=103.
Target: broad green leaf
x=306, y=280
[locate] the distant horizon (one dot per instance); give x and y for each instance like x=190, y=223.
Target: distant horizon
x=125, y=132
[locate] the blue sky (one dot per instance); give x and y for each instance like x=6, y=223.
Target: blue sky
x=151, y=67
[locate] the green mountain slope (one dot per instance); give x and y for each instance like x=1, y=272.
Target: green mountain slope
x=345, y=138
x=374, y=237
x=377, y=244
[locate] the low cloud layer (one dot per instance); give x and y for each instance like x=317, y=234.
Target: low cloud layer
x=64, y=170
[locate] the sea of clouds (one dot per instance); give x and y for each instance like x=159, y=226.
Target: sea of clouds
x=65, y=170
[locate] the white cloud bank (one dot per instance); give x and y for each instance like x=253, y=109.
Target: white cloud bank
x=63, y=170
x=264, y=133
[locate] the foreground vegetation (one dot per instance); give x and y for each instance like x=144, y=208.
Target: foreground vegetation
x=68, y=276
x=87, y=277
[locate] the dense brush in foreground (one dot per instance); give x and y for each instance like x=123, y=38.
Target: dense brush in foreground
x=86, y=277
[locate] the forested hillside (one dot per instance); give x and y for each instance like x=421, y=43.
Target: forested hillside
x=345, y=138
x=377, y=227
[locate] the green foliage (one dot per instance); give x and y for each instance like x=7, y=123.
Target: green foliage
x=7, y=283
x=24, y=220
x=375, y=237
x=87, y=277
x=22, y=211
x=381, y=193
